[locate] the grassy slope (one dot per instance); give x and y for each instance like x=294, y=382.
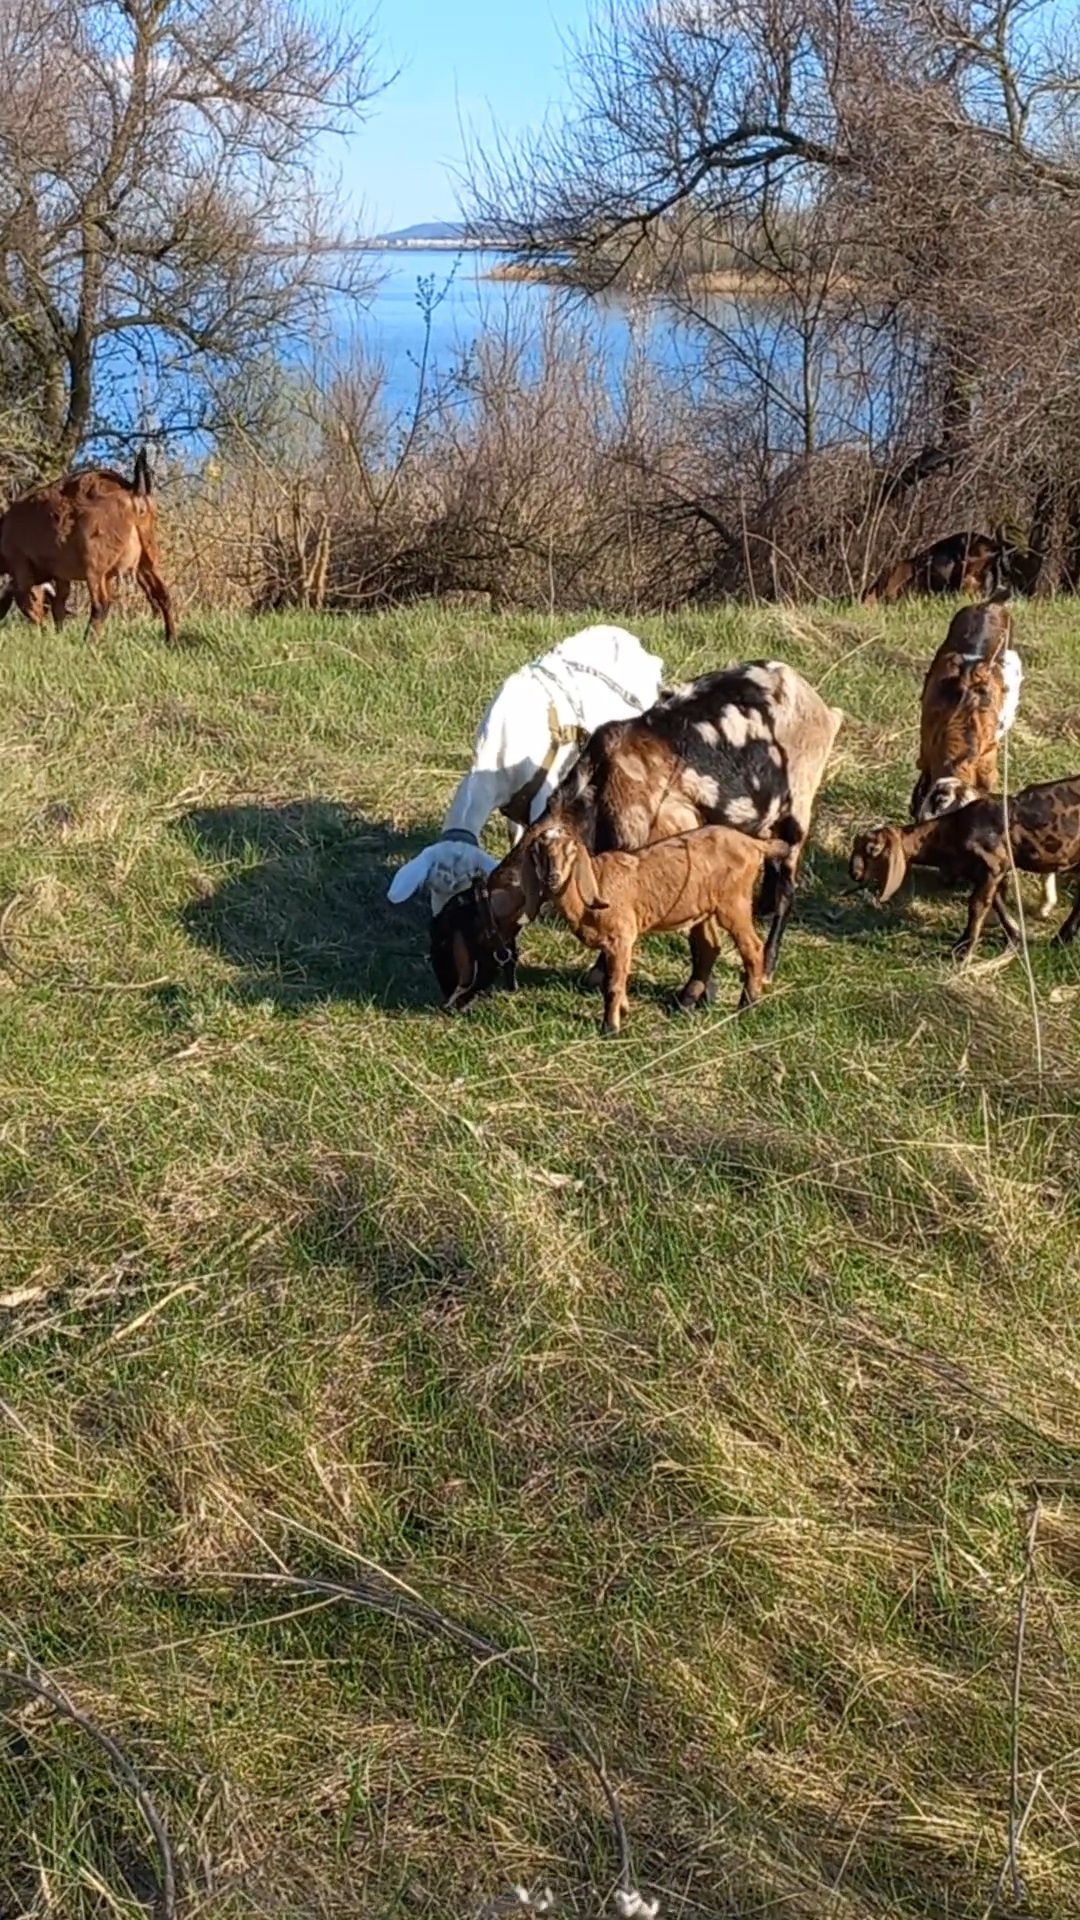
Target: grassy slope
x=718, y=1364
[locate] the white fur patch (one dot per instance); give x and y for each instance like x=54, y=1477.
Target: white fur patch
x=734, y=726
x=1012, y=674
x=707, y=732
x=445, y=869
x=741, y=812
x=701, y=788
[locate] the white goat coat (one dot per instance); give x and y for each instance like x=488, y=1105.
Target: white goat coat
x=600, y=674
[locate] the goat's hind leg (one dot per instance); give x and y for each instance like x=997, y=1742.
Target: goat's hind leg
x=700, y=989
x=157, y=593
x=616, y=999
x=1069, y=928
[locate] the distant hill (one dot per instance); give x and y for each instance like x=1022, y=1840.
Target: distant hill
x=435, y=234
x=425, y=230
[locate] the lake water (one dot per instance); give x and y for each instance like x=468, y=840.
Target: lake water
x=469, y=303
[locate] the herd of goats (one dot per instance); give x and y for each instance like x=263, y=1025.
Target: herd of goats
x=636, y=808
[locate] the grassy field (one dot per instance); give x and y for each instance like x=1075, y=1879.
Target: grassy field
x=716, y=1369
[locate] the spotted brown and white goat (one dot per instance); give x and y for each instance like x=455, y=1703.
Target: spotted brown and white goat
x=970, y=699
x=746, y=747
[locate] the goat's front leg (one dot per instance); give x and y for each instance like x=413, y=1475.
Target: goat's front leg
x=740, y=924
x=594, y=979
x=982, y=899
x=786, y=884
x=616, y=998
x=98, y=589
x=1012, y=931
x=699, y=989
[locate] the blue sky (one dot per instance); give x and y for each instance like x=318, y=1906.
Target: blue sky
x=472, y=61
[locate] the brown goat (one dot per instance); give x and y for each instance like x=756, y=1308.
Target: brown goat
x=970, y=698
x=969, y=844
x=704, y=879
x=91, y=526
x=961, y=563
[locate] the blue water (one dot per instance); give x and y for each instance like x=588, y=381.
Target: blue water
x=466, y=303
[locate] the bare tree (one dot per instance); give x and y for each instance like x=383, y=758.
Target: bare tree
x=160, y=209
x=897, y=184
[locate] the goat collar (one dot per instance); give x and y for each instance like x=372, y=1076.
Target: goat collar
x=461, y=833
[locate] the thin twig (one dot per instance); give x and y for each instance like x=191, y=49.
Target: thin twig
x=122, y=1767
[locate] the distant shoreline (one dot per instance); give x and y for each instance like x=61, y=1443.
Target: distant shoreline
x=729, y=280
x=435, y=246
x=725, y=282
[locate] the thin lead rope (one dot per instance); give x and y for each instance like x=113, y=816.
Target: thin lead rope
x=582, y=666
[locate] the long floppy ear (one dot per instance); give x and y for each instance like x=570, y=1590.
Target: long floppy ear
x=896, y=871
x=531, y=880
x=410, y=878
x=585, y=877
x=508, y=908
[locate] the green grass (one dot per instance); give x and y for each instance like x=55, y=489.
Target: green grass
x=719, y=1365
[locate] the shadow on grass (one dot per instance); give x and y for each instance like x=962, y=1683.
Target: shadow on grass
x=304, y=914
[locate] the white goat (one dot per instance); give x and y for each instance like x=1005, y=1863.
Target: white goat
x=529, y=737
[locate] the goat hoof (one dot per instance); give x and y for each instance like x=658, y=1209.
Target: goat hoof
x=609, y=1032
x=687, y=1002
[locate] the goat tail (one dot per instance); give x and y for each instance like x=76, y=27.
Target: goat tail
x=142, y=483
x=789, y=832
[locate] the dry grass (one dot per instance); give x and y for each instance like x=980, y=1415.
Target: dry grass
x=718, y=1366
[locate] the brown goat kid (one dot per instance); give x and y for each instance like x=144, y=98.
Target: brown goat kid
x=91, y=526
x=970, y=845
x=705, y=879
